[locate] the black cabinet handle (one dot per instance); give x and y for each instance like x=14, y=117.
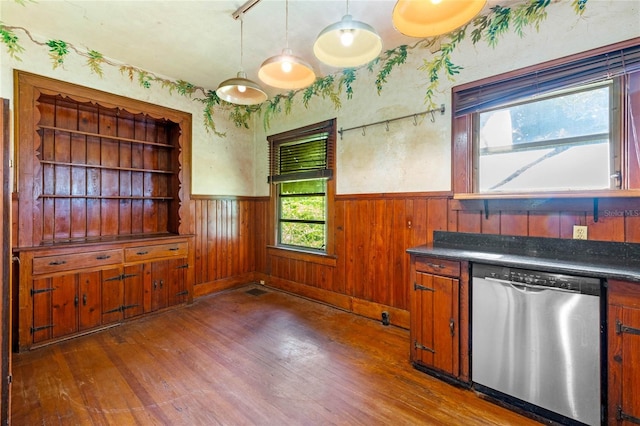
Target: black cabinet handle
x=75, y=301
x=57, y=262
x=142, y=253
x=174, y=249
x=103, y=257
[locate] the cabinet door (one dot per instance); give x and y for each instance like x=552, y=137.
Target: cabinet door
x=64, y=302
x=434, y=322
x=133, y=290
x=624, y=347
x=177, y=291
x=90, y=309
x=112, y=296
x=41, y=295
x=160, y=273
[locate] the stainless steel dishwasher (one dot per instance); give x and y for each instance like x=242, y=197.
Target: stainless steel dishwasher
x=536, y=339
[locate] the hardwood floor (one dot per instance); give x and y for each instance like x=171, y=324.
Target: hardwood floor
x=235, y=358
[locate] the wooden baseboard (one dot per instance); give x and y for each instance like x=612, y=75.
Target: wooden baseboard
x=397, y=317
x=365, y=308
x=223, y=284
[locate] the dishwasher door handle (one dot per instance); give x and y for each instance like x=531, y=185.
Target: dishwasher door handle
x=531, y=288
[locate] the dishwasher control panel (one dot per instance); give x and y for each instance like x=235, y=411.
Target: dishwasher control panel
x=585, y=285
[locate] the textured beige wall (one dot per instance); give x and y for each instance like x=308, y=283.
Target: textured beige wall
x=220, y=166
x=403, y=159
x=417, y=158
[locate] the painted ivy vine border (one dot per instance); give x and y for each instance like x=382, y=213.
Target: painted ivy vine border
x=489, y=28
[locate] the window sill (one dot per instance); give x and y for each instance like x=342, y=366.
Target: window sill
x=306, y=256
x=631, y=193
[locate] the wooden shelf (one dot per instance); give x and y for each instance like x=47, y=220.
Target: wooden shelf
x=101, y=136
x=98, y=166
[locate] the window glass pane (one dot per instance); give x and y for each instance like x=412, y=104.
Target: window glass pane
x=302, y=234
x=316, y=186
x=556, y=143
x=303, y=208
x=303, y=213
x=578, y=167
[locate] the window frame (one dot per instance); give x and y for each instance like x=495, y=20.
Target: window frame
x=628, y=102
x=281, y=139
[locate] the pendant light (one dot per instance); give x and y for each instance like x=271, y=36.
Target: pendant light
x=348, y=43
x=428, y=18
x=286, y=71
x=240, y=90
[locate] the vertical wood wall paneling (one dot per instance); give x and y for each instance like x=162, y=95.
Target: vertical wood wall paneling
x=108, y=125
x=149, y=160
x=229, y=238
x=261, y=230
x=44, y=227
x=88, y=122
x=125, y=130
x=66, y=117
x=78, y=216
x=137, y=178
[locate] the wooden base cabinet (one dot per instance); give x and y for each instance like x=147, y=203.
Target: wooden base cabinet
x=71, y=290
x=624, y=353
x=439, y=317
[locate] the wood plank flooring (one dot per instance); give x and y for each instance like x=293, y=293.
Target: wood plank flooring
x=234, y=358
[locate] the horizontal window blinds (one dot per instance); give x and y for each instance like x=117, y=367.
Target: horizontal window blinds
x=304, y=154
x=539, y=80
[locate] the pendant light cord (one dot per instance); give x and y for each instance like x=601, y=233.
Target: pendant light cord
x=347, y=7
x=286, y=24
x=241, y=42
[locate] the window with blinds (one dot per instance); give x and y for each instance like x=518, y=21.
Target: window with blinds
x=301, y=168
x=550, y=128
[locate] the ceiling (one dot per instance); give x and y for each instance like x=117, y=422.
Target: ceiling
x=196, y=41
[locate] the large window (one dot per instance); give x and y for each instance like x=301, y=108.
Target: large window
x=567, y=126
x=559, y=142
x=301, y=173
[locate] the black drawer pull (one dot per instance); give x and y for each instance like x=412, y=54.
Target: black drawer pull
x=141, y=253
x=174, y=249
x=103, y=257
x=57, y=262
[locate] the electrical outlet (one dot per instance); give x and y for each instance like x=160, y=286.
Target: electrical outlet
x=579, y=232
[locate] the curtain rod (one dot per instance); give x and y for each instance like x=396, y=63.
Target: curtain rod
x=386, y=122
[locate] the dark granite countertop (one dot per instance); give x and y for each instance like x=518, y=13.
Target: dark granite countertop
x=598, y=259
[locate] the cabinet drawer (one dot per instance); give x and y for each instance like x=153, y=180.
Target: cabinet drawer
x=438, y=266
x=66, y=262
x=142, y=253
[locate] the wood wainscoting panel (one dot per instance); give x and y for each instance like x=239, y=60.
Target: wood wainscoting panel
x=372, y=233
x=230, y=238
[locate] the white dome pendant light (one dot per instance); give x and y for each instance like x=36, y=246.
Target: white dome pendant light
x=348, y=43
x=240, y=90
x=286, y=71
x=428, y=18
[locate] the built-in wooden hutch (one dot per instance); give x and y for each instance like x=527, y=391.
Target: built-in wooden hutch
x=103, y=230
